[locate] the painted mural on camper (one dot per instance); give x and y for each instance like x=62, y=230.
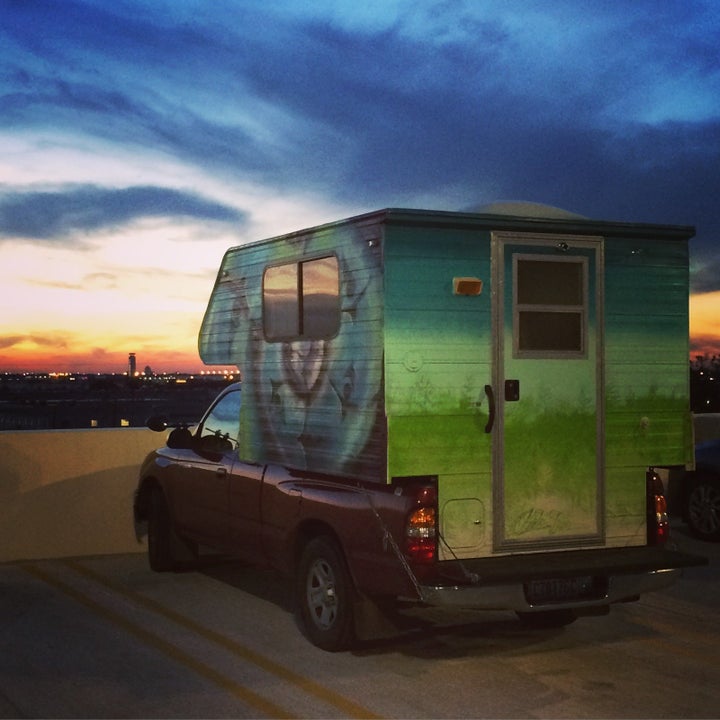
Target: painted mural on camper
x=302, y=319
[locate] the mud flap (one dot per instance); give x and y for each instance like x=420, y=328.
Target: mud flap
x=374, y=620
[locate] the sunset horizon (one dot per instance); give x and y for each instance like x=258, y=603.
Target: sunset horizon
x=181, y=359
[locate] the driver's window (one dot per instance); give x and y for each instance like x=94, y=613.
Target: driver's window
x=223, y=420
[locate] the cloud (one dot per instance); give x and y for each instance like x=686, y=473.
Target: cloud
x=50, y=215
x=499, y=99
x=166, y=82
x=40, y=341
x=609, y=113
x=8, y=341
x=92, y=281
x=706, y=278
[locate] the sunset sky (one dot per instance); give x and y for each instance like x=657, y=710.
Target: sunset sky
x=139, y=140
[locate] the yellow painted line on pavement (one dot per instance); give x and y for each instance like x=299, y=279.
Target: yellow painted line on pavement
x=246, y=695
x=346, y=706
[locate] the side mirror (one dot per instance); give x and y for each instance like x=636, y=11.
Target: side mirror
x=180, y=439
x=158, y=423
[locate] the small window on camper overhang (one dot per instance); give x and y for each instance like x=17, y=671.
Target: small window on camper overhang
x=301, y=301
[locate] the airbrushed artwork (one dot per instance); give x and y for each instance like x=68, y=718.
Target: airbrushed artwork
x=312, y=363
x=537, y=400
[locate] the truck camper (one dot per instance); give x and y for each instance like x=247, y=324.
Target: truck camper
x=511, y=378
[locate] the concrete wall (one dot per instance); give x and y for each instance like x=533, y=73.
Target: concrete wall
x=66, y=493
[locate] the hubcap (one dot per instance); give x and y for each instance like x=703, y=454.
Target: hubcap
x=321, y=596
x=704, y=509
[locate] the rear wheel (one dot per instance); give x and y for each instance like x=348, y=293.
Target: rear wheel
x=703, y=508
x=325, y=595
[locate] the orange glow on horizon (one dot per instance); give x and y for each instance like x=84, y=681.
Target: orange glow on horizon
x=705, y=324
x=48, y=354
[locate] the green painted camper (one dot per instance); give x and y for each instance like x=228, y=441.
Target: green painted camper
x=533, y=363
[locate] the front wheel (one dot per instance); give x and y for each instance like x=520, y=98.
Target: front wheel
x=161, y=540
x=325, y=595
x=703, y=508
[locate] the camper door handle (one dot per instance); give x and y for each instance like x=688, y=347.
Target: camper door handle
x=491, y=408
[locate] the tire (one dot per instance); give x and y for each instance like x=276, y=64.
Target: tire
x=547, y=619
x=703, y=508
x=325, y=595
x=161, y=537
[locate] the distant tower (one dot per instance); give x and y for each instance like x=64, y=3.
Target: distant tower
x=131, y=365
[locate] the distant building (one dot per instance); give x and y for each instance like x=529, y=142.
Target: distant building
x=131, y=365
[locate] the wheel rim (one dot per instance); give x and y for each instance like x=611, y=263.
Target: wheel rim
x=321, y=594
x=704, y=509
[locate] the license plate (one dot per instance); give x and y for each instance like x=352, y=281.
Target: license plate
x=554, y=590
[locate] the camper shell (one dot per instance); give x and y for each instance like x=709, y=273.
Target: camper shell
x=533, y=367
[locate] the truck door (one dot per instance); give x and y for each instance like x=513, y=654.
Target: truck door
x=547, y=391
x=201, y=477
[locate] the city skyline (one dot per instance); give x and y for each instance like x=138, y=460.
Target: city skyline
x=140, y=141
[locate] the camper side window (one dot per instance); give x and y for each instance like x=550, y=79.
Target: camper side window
x=301, y=301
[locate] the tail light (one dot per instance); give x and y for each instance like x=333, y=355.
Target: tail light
x=658, y=526
x=421, y=527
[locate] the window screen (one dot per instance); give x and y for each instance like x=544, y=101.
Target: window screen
x=550, y=307
x=301, y=300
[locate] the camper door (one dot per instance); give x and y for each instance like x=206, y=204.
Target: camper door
x=547, y=387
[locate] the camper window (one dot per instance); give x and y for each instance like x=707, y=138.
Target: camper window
x=301, y=301
x=550, y=306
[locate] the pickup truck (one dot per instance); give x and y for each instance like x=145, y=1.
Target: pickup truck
x=350, y=546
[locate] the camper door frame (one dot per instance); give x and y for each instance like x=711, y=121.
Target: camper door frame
x=564, y=242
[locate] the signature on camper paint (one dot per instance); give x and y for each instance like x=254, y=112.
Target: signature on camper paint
x=536, y=519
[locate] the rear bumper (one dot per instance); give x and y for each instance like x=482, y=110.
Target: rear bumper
x=578, y=579
x=513, y=596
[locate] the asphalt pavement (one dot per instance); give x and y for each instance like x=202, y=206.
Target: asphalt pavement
x=104, y=637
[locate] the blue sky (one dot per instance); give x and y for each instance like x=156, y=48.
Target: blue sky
x=139, y=140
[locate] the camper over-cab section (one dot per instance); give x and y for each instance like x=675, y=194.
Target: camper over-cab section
x=535, y=367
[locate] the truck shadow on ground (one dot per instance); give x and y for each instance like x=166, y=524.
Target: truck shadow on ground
x=429, y=633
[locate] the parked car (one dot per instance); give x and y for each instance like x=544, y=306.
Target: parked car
x=701, y=492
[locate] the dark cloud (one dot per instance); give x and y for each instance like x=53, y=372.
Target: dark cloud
x=35, y=215
x=83, y=108
x=150, y=86
x=596, y=108
x=412, y=117
x=706, y=278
